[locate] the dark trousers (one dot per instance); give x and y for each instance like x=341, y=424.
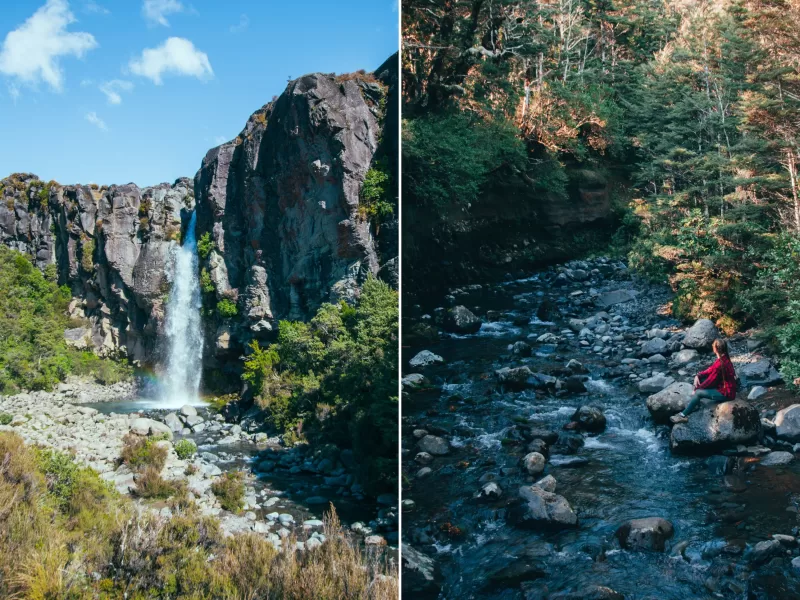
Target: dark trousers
x=712, y=395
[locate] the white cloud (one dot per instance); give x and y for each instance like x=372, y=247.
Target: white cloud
x=31, y=52
x=156, y=11
x=96, y=121
x=220, y=139
x=175, y=56
x=112, y=89
x=94, y=7
x=244, y=23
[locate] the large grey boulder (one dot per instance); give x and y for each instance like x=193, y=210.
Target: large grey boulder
x=761, y=372
x=654, y=346
x=143, y=426
x=723, y=425
x=650, y=533
x=701, y=335
x=787, y=423
x=669, y=401
x=538, y=508
x=656, y=383
x=460, y=319
x=685, y=356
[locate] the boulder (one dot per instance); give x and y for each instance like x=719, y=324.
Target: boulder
x=656, y=383
x=414, y=381
x=654, y=346
x=142, y=426
x=460, y=319
x=522, y=349
x=590, y=418
x=421, y=575
x=774, y=459
x=685, y=356
x=518, y=378
x=669, y=401
x=425, y=358
x=787, y=423
x=434, y=445
x=765, y=551
x=538, y=508
x=187, y=410
x=761, y=372
x=722, y=425
x=173, y=422
x=489, y=492
x=756, y=392
x=650, y=533
x=533, y=462
x=609, y=299
x=547, y=483
x=701, y=335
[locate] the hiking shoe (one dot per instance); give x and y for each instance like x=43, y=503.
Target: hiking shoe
x=679, y=418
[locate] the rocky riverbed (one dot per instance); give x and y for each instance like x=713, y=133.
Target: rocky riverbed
x=539, y=461
x=287, y=488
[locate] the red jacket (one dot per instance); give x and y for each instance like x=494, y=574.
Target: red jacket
x=720, y=376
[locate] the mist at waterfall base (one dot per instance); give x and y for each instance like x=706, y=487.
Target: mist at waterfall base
x=180, y=377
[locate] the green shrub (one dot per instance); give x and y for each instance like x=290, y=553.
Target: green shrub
x=150, y=484
x=185, y=449
x=205, y=245
x=206, y=284
x=5, y=418
x=336, y=377
x=376, y=192
x=65, y=534
x=140, y=453
x=227, y=308
x=229, y=490
x=33, y=317
x=87, y=254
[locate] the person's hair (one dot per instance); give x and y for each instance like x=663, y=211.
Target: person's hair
x=720, y=346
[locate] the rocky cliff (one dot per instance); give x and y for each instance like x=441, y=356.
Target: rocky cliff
x=279, y=208
x=281, y=224
x=511, y=228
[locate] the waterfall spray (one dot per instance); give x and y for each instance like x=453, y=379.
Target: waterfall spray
x=183, y=326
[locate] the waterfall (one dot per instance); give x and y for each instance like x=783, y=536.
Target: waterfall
x=183, y=326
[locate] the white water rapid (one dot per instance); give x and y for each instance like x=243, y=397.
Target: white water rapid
x=183, y=326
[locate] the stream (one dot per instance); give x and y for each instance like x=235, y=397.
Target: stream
x=625, y=472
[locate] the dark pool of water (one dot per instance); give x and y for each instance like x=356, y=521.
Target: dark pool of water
x=631, y=473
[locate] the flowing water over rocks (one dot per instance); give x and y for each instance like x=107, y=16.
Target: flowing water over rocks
x=483, y=519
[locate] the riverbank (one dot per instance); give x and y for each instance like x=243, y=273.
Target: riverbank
x=533, y=448
x=287, y=489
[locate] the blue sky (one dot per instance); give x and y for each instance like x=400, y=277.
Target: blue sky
x=114, y=91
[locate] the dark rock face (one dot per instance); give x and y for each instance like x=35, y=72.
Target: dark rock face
x=724, y=424
x=281, y=203
x=111, y=246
